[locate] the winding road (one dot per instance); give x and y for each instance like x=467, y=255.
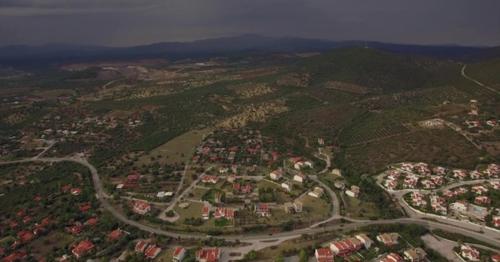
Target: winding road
x=494, y=239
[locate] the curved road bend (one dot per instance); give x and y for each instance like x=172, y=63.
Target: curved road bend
x=257, y=237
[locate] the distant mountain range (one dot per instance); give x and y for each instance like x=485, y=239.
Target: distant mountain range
x=245, y=44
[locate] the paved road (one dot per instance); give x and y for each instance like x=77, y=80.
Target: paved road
x=354, y=224
x=398, y=195
x=477, y=82
x=335, y=203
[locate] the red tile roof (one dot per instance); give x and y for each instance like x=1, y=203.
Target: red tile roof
x=82, y=248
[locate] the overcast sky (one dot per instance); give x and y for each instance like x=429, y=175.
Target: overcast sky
x=134, y=22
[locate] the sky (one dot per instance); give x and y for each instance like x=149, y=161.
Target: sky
x=136, y=22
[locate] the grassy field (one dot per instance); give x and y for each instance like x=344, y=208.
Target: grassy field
x=444, y=147
x=178, y=150
x=356, y=208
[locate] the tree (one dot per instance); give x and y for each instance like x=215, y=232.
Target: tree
x=303, y=257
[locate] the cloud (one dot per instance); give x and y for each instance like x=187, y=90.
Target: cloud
x=132, y=22
x=63, y=7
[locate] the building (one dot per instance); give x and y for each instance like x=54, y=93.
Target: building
x=388, y=239
x=115, y=235
x=353, y=192
x=205, y=210
x=367, y=242
x=317, y=192
x=415, y=254
x=287, y=186
x=391, y=257
x=482, y=200
x=209, y=179
x=299, y=178
x=224, y=212
x=179, y=254
x=496, y=221
x=323, y=255
x=346, y=246
x=83, y=248
x=208, y=255
x=141, y=207
x=276, y=174
x=152, y=251
x=469, y=253
x=262, y=210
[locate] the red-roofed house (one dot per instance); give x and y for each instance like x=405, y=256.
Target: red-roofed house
x=25, y=236
x=208, y=255
x=346, y=246
x=91, y=221
x=209, y=179
x=152, y=251
x=140, y=246
x=469, y=253
x=495, y=258
x=115, y=235
x=85, y=207
x=16, y=256
x=392, y=257
x=141, y=207
x=323, y=255
x=82, y=248
x=496, y=221
x=179, y=254
x=262, y=210
x=76, y=191
x=224, y=212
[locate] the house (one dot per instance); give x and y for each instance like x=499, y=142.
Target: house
x=495, y=185
x=208, y=255
x=298, y=163
x=482, y=200
x=115, y=235
x=224, y=212
x=415, y=254
x=132, y=180
x=207, y=179
x=140, y=246
x=417, y=199
x=317, y=192
x=346, y=246
x=179, y=254
x=85, y=207
x=428, y=184
x=91, y=221
x=353, y=192
x=25, y=236
x=262, y=210
x=479, y=190
x=287, y=186
x=323, y=255
x=388, y=239
x=469, y=253
x=82, y=248
x=459, y=206
x=205, y=211
x=459, y=174
x=367, y=242
x=152, y=251
x=276, y=174
x=438, y=204
x=75, y=229
x=391, y=257
x=299, y=178
x=496, y=221
x=141, y=207
x=439, y=170
x=16, y=256
x=76, y=191
x=475, y=174
x=297, y=206
x=495, y=258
